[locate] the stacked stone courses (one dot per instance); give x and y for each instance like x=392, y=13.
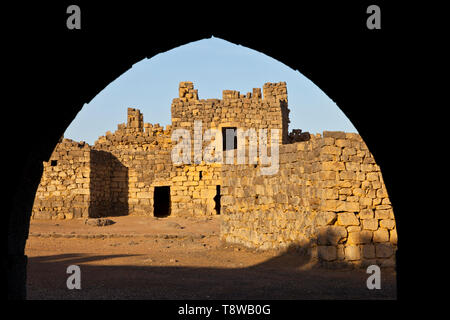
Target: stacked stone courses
x=328, y=197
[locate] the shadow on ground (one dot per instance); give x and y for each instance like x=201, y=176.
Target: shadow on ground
x=281, y=277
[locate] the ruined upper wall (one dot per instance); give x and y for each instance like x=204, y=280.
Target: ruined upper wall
x=251, y=110
x=135, y=135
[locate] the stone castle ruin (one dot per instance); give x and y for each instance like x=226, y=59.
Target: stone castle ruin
x=327, y=196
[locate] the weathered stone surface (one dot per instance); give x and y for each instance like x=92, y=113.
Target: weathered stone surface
x=331, y=235
x=352, y=253
x=393, y=236
x=383, y=214
x=368, y=251
x=387, y=263
x=325, y=218
x=347, y=219
x=327, y=253
x=384, y=250
x=366, y=214
x=381, y=235
x=334, y=134
x=359, y=237
x=327, y=190
x=387, y=223
x=370, y=224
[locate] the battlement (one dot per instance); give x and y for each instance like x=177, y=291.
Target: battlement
x=135, y=119
x=187, y=92
x=276, y=91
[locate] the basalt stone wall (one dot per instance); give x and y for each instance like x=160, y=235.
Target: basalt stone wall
x=79, y=181
x=328, y=198
x=252, y=110
x=108, y=185
x=123, y=168
x=64, y=190
x=145, y=150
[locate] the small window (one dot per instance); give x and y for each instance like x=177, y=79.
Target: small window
x=229, y=134
x=53, y=163
x=200, y=175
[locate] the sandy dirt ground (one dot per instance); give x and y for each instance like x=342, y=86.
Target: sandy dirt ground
x=177, y=258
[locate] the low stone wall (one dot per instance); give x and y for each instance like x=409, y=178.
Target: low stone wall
x=328, y=199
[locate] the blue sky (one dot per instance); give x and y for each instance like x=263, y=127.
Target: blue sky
x=212, y=65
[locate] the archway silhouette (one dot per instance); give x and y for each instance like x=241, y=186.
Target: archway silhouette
x=90, y=63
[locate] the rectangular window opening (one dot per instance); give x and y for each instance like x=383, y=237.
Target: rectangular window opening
x=229, y=134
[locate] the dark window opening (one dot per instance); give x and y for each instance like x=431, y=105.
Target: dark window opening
x=217, y=200
x=161, y=202
x=229, y=134
x=200, y=175
x=53, y=163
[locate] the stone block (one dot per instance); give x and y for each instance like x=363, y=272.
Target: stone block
x=343, y=143
x=365, y=201
x=352, y=253
x=331, y=150
x=384, y=250
x=330, y=205
x=347, y=219
x=331, y=235
x=366, y=214
x=327, y=253
x=325, y=218
x=359, y=237
x=387, y=223
x=348, y=206
x=334, y=134
x=370, y=224
x=332, y=166
x=372, y=176
x=368, y=251
x=383, y=214
x=347, y=175
x=381, y=235
x=393, y=236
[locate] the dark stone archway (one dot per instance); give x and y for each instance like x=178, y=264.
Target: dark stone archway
x=53, y=71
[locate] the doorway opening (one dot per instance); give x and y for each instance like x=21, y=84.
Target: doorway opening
x=217, y=200
x=161, y=202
